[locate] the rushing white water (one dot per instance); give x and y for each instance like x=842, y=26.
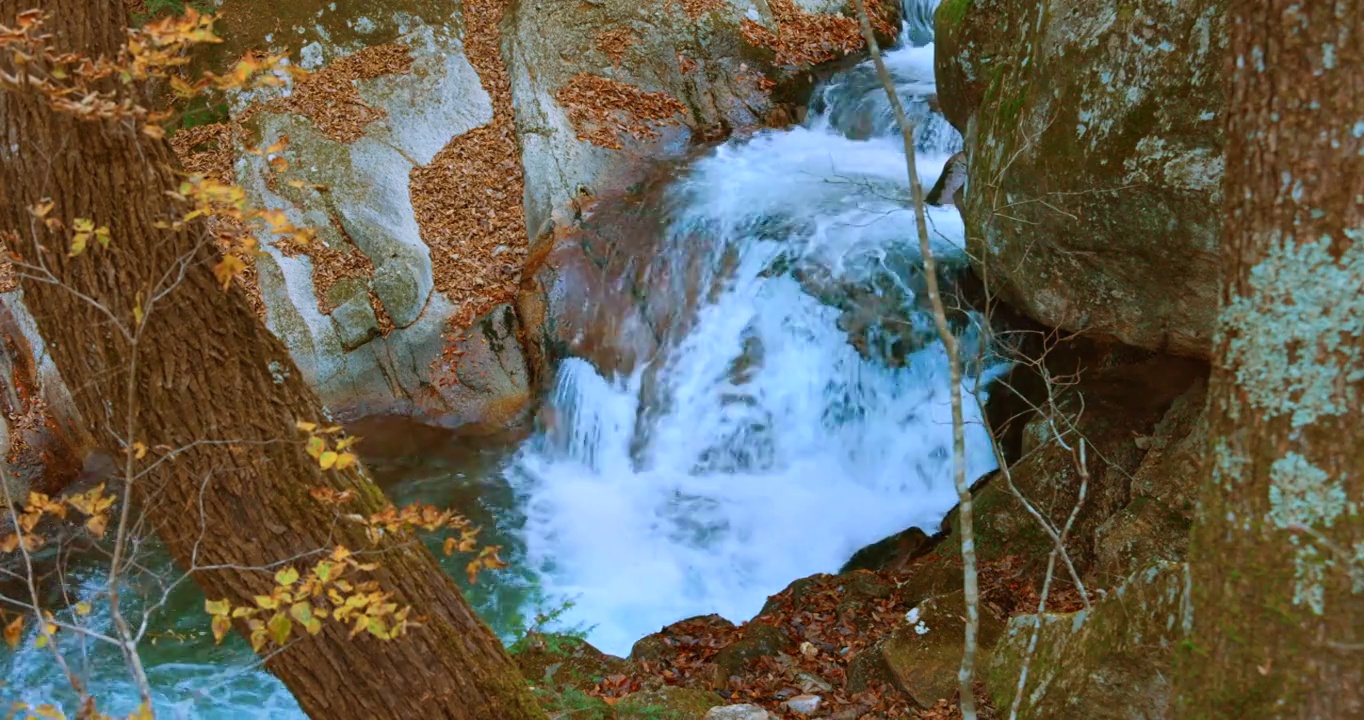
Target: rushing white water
x=772, y=450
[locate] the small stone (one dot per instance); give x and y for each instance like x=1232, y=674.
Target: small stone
x=738, y=712
x=804, y=704
x=811, y=683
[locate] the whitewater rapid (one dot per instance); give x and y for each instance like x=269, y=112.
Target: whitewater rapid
x=772, y=449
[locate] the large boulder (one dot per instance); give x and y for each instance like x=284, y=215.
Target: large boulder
x=1094, y=132
x=399, y=303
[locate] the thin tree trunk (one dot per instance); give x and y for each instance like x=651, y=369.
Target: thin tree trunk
x=1277, y=559
x=206, y=378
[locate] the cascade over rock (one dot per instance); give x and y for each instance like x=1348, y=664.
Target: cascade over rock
x=1096, y=159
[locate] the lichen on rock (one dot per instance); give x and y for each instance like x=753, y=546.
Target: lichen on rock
x=1112, y=661
x=1096, y=160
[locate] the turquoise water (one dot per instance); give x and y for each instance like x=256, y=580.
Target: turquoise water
x=195, y=678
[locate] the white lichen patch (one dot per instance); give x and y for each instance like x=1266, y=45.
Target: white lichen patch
x=1303, y=495
x=1294, y=340
x=1309, y=577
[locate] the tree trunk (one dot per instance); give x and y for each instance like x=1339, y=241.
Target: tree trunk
x=1277, y=559
x=207, y=379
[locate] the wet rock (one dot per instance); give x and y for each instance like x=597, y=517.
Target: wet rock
x=1109, y=663
x=737, y=712
x=1094, y=134
x=667, y=703
x=599, y=290
x=892, y=553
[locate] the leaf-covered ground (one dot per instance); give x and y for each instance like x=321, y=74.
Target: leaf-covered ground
x=805, y=642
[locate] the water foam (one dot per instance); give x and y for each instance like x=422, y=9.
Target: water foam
x=769, y=448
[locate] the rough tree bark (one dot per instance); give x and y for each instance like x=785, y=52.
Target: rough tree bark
x=207, y=370
x=1277, y=559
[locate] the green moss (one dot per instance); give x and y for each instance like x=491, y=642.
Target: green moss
x=950, y=14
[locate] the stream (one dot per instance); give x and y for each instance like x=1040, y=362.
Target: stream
x=766, y=447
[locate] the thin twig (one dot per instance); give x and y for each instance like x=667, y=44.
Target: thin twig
x=966, y=673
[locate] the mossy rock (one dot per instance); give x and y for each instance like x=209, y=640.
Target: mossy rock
x=667, y=703
x=1098, y=127
x=1108, y=663
x=1121, y=412
x=560, y=661
x=658, y=647
x=758, y=640
x=921, y=658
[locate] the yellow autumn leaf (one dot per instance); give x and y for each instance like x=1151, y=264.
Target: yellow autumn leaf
x=315, y=446
x=78, y=243
x=40, y=210
x=305, y=426
x=286, y=577
x=327, y=459
x=82, y=608
x=143, y=712
x=217, y=607
x=139, y=450
x=97, y=524
x=14, y=631
x=155, y=132
x=345, y=460
x=50, y=712
x=221, y=625
x=230, y=267
x=280, y=626
x=302, y=612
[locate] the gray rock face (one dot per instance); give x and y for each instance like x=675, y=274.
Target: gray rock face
x=43, y=443
x=691, y=53
x=322, y=301
x=1094, y=136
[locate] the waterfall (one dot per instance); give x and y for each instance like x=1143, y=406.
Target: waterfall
x=768, y=448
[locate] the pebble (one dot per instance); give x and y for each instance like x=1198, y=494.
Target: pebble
x=804, y=704
x=738, y=712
